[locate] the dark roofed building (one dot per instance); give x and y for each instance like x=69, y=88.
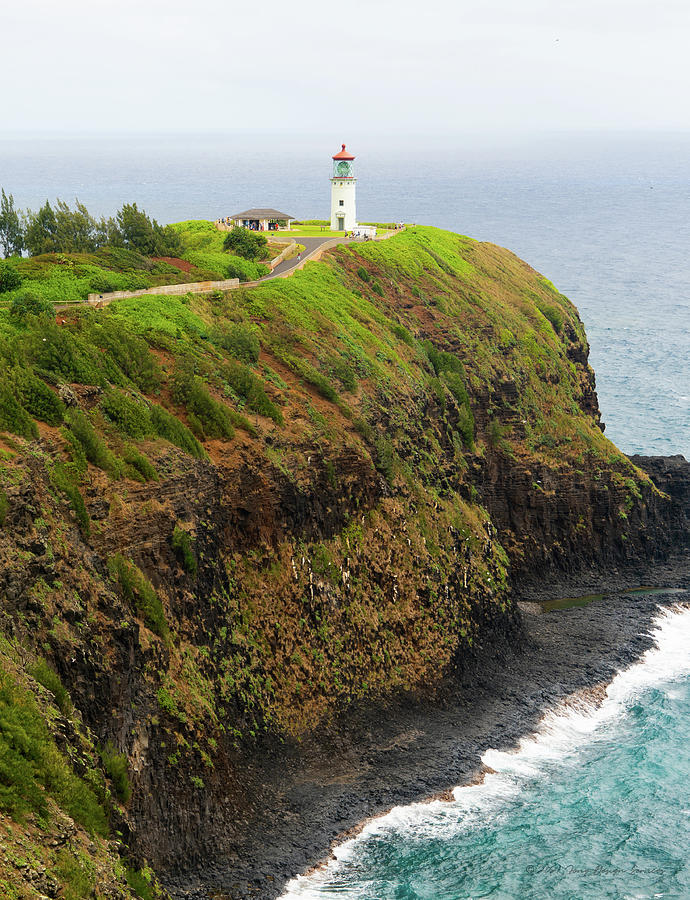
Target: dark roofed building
x=261, y=219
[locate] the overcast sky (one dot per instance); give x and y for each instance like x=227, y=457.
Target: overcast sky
x=426, y=67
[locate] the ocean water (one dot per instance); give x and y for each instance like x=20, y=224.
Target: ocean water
x=594, y=805
x=606, y=219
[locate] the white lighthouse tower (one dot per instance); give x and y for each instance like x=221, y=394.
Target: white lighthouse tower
x=343, y=184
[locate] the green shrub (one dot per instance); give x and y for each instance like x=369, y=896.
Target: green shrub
x=129, y=415
x=214, y=418
x=363, y=274
x=77, y=874
x=343, y=370
x=331, y=476
x=366, y=430
x=239, y=421
x=250, y=389
x=78, y=465
x=171, y=429
x=245, y=269
x=49, y=678
x=466, y=425
x=403, y=334
x=495, y=433
x=28, y=304
x=239, y=341
x=182, y=546
x=167, y=702
x=122, y=259
x=438, y=391
x=196, y=427
x=92, y=444
x=377, y=288
x=140, y=884
x=385, y=458
x=130, y=352
x=32, y=768
x=311, y=375
x=64, y=480
x=245, y=243
x=456, y=385
x=13, y=417
x=116, y=768
x=140, y=464
x=37, y=398
x=69, y=356
x=139, y=593
x=10, y=279
x=442, y=361
x=554, y=315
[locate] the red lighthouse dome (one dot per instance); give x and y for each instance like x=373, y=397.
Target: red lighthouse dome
x=343, y=154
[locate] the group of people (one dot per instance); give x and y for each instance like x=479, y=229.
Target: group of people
x=369, y=233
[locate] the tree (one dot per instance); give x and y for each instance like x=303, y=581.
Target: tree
x=75, y=230
x=9, y=277
x=136, y=229
x=11, y=231
x=41, y=231
x=245, y=243
x=141, y=233
x=108, y=233
x=66, y=230
x=169, y=240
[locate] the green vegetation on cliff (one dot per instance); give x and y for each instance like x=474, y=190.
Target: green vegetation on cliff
x=226, y=518
x=55, y=805
x=72, y=255
x=206, y=247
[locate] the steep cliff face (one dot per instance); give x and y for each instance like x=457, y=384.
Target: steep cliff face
x=671, y=476
x=381, y=442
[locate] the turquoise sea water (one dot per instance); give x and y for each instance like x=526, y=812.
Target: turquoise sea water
x=595, y=805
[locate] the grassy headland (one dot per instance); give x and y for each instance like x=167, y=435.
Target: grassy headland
x=226, y=518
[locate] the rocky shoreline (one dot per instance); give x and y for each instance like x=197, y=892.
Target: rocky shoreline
x=318, y=792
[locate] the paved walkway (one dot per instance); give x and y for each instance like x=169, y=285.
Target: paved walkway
x=311, y=245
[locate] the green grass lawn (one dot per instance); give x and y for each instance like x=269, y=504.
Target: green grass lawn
x=298, y=231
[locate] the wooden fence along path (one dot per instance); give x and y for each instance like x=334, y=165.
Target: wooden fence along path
x=194, y=287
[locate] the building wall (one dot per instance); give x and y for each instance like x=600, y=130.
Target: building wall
x=343, y=189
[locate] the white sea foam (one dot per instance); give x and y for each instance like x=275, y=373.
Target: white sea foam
x=561, y=733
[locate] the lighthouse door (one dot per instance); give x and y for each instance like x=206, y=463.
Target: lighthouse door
x=341, y=223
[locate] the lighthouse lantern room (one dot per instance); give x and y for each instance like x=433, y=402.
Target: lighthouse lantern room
x=343, y=184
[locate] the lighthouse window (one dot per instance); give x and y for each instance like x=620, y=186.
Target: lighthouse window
x=342, y=203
